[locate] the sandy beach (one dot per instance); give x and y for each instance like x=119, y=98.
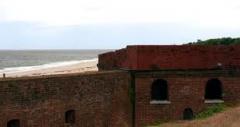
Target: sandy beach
x=84, y=66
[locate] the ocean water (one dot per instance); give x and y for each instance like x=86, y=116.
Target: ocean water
x=23, y=60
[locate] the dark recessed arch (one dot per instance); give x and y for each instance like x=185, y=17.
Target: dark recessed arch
x=213, y=89
x=188, y=114
x=159, y=90
x=70, y=116
x=13, y=123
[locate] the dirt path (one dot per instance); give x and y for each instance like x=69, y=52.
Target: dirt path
x=228, y=118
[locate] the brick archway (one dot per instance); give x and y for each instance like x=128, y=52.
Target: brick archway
x=70, y=117
x=159, y=90
x=213, y=89
x=188, y=114
x=13, y=123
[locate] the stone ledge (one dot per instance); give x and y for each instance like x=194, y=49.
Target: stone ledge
x=160, y=102
x=213, y=101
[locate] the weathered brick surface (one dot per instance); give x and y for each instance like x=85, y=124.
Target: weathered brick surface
x=99, y=99
x=171, y=57
x=187, y=68
x=186, y=90
x=102, y=99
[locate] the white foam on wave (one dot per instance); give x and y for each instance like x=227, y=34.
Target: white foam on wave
x=44, y=66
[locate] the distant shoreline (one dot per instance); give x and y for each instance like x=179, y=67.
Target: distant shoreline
x=51, y=69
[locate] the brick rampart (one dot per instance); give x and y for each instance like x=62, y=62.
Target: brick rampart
x=171, y=57
x=99, y=100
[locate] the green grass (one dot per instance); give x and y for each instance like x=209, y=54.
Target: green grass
x=210, y=111
x=157, y=123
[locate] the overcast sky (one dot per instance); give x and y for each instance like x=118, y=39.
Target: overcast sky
x=93, y=24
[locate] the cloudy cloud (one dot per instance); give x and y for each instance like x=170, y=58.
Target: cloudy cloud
x=70, y=24
x=209, y=13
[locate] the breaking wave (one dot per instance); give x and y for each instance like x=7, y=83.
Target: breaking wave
x=44, y=66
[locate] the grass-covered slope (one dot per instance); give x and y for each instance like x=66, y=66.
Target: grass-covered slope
x=229, y=117
x=217, y=41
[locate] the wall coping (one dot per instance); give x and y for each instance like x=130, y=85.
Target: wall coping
x=198, y=73
x=61, y=75
x=214, y=101
x=153, y=102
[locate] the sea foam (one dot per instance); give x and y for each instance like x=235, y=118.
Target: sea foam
x=10, y=70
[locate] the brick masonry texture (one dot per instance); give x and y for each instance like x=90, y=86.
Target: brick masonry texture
x=122, y=98
x=186, y=68
x=186, y=90
x=150, y=57
x=99, y=99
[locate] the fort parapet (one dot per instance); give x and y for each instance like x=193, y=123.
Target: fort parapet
x=153, y=57
x=99, y=99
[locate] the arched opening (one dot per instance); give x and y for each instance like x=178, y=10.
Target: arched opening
x=159, y=90
x=188, y=114
x=70, y=116
x=213, y=90
x=13, y=123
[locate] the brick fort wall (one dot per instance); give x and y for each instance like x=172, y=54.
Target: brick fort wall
x=155, y=57
x=186, y=89
x=99, y=99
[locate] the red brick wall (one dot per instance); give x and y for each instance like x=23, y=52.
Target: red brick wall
x=113, y=60
x=99, y=100
x=186, y=90
x=123, y=58
x=106, y=61
x=172, y=57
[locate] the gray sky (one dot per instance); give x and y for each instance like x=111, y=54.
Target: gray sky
x=93, y=24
